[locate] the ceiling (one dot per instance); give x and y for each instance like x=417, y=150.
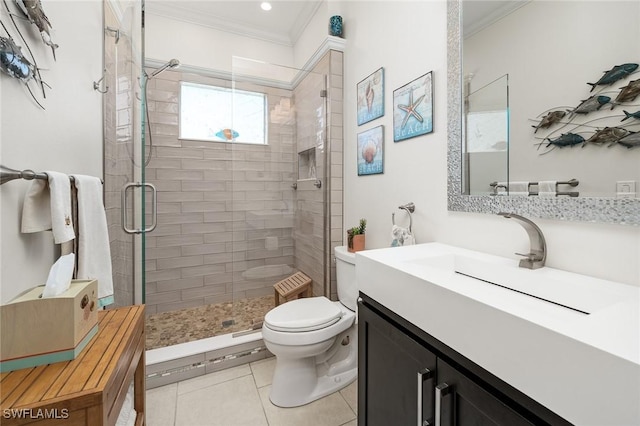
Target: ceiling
x=283, y=24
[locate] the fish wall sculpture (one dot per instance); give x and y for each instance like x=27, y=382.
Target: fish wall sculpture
x=593, y=103
x=630, y=141
x=608, y=135
x=549, y=120
x=35, y=14
x=16, y=65
x=606, y=132
x=631, y=115
x=614, y=74
x=629, y=92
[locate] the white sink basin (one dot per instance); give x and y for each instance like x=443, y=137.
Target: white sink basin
x=556, y=336
x=571, y=291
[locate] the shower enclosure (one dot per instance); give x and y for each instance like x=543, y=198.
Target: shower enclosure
x=247, y=169
x=236, y=212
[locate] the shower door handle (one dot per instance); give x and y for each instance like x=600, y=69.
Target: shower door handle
x=154, y=209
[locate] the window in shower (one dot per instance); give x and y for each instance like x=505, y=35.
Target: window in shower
x=220, y=114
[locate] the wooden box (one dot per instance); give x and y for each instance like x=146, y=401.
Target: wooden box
x=37, y=331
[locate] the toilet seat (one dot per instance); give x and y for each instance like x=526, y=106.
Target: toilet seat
x=303, y=315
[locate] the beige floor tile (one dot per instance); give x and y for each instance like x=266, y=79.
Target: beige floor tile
x=350, y=394
x=160, y=407
x=353, y=422
x=211, y=379
x=263, y=371
x=232, y=403
x=332, y=410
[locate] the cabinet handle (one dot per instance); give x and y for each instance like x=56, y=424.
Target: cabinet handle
x=442, y=390
x=423, y=376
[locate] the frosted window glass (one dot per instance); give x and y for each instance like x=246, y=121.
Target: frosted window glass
x=219, y=114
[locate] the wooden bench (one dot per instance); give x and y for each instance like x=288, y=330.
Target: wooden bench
x=293, y=287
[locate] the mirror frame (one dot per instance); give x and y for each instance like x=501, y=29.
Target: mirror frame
x=586, y=209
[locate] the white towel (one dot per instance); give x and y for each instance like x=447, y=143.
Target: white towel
x=47, y=206
x=401, y=236
x=520, y=189
x=94, y=254
x=547, y=188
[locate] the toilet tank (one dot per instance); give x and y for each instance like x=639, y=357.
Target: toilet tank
x=346, y=277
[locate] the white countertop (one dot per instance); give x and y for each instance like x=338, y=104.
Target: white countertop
x=584, y=367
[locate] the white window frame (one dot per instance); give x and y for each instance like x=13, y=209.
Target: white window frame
x=233, y=92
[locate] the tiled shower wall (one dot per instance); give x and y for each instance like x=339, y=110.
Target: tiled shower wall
x=121, y=109
x=314, y=204
x=336, y=229
x=225, y=210
x=230, y=225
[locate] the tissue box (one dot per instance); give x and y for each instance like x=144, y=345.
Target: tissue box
x=37, y=331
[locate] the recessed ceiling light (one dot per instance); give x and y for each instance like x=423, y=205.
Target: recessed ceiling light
x=265, y=5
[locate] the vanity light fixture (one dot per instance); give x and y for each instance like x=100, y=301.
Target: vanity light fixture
x=265, y=5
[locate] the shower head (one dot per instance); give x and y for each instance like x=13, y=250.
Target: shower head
x=173, y=63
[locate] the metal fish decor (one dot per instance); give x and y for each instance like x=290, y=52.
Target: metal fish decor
x=549, y=120
x=614, y=74
x=593, y=103
x=631, y=115
x=566, y=139
x=630, y=141
x=227, y=134
x=608, y=135
x=629, y=92
x=587, y=133
x=35, y=14
x=16, y=65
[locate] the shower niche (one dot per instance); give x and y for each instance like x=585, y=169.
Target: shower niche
x=307, y=164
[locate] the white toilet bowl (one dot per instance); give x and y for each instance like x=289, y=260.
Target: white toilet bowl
x=315, y=342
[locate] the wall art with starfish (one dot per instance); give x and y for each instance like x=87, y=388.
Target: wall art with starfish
x=413, y=108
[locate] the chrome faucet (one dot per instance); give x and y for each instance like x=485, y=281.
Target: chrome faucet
x=538, y=251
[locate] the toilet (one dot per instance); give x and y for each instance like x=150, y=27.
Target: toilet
x=315, y=341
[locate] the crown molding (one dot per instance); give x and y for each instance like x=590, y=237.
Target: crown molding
x=181, y=13
x=505, y=9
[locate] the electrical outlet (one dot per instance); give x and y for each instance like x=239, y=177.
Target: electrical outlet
x=626, y=189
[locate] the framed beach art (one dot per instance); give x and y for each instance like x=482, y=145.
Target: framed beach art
x=413, y=108
x=370, y=92
x=371, y=151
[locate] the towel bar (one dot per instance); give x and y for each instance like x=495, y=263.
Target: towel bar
x=7, y=175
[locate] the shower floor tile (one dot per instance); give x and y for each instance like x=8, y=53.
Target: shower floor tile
x=186, y=325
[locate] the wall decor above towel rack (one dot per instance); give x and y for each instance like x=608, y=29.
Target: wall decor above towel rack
x=7, y=174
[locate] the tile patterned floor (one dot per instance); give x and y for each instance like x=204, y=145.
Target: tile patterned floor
x=186, y=325
x=240, y=396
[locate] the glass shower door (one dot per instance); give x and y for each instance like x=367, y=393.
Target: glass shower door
x=278, y=201
x=123, y=144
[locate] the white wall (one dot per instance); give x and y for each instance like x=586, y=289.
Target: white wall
x=66, y=137
x=409, y=39
x=205, y=47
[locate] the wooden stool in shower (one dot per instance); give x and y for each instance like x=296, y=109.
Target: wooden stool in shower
x=293, y=287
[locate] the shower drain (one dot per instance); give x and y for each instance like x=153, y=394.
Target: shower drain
x=213, y=361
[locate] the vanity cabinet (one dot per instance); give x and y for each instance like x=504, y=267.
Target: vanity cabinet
x=398, y=374
x=407, y=377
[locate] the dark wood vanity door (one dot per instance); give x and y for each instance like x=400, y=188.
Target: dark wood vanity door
x=391, y=366
x=462, y=402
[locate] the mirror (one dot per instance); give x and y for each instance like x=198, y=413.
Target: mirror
x=486, y=142
x=590, y=205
